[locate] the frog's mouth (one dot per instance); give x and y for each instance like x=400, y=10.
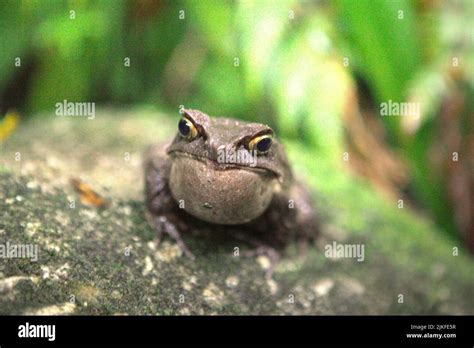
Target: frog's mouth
x=217, y=193
x=229, y=162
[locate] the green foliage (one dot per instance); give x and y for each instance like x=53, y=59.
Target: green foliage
x=277, y=62
x=384, y=47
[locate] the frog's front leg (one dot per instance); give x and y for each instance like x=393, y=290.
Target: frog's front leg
x=162, y=212
x=304, y=220
x=290, y=217
x=273, y=255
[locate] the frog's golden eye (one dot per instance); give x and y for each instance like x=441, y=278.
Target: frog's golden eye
x=187, y=129
x=261, y=143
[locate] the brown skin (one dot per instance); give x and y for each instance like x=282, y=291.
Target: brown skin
x=189, y=187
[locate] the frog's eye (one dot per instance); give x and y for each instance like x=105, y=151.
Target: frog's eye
x=261, y=143
x=187, y=129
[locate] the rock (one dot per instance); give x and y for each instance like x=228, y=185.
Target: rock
x=103, y=261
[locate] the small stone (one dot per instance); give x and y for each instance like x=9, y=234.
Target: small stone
x=184, y=311
x=232, y=281
x=46, y=272
x=52, y=247
x=189, y=284
x=116, y=295
x=61, y=272
x=272, y=286
x=213, y=295
x=323, y=287
x=31, y=228
x=127, y=210
x=264, y=262
x=168, y=252
x=89, y=214
x=32, y=185
x=148, y=266
x=62, y=218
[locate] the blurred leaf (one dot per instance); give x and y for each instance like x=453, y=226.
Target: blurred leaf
x=383, y=37
x=311, y=89
x=9, y=124
x=261, y=24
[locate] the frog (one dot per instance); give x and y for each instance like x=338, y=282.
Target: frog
x=229, y=177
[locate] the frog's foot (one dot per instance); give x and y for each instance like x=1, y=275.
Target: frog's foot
x=265, y=250
x=163, y=225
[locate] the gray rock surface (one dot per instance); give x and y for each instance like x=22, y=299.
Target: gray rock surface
x=104, y=261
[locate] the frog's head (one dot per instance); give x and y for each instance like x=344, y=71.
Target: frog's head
x=225, y=171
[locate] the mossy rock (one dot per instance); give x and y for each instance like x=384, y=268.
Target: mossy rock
x=105, y=261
